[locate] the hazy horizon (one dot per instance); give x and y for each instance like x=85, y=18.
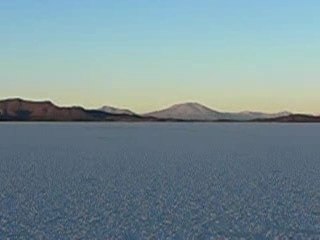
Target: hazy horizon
x=151, y=110
x=147, y=55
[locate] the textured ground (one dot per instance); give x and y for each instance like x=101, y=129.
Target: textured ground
x=159, y=181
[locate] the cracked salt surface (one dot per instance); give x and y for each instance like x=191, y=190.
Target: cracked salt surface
x=159, y=181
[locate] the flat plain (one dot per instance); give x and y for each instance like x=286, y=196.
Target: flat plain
x=159, y=181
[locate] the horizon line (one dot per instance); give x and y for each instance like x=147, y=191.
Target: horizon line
x=43, y=100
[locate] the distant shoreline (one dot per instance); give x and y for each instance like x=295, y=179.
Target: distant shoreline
x=19, y=110
x=164, y=122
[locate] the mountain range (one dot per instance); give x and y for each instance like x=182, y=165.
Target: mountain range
x=24, y=110
x=198, y=112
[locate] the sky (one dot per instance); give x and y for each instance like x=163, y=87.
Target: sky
x=230, y=55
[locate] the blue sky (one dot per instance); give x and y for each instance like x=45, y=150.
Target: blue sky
x=229, y=54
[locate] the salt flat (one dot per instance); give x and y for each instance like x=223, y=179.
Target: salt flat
x=159, y=181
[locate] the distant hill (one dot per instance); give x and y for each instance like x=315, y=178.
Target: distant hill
x=247, y=115
x=114, y=110
x=293, y=118
x=187, y=111
x=198, y=112
x=23, y=110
